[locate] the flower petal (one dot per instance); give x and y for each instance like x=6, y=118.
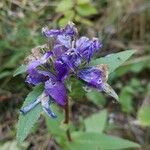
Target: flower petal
x=45, y=102
x=96, y=77
x=56, y=90
x=87, y=47
x=30, y=106
x=71, y=58
x=92, y=75
x=69, y=30
x=37, y=76
x=62, y=70
x=45, y=57
x=50, y=33
x=64, y=40
x=58, y=50
x=32, y=65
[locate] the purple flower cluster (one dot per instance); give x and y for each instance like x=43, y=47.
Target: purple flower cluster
x=65, y=58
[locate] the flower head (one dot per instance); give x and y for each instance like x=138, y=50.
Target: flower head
x=65, y=58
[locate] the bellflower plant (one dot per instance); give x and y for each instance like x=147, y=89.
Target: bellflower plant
x=68, y=56
x=50, y=69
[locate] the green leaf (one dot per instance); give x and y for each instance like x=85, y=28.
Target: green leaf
x=125, y=99
x=96, y=97
x=144, y=111
x=83, y=20
x=20, y=70
x=12, y=145
x=68, y=16
x=82, y=1
x=113, y=60
x=5, y=74
x=14, y=59
x=53, y=125
x=86, y=9
x=143, y=115
x=76, y=89
x=135, y=65
x=26, y=122
x=63, y=22
x=95, y=141
x=64, y=6
x=96, y=123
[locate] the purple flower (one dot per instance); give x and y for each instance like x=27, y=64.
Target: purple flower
x=36, y=76
x=92, y=76
x=35, y=63
x=58, y=50
x=45, y=102
x=96, y=77
x=71, y=58
x=87, y=47
x=52, y=84
x=56, y=90
x=69, y=30
x=53, y=89
x=67, y=56
x=62, y=70
x=63, y=36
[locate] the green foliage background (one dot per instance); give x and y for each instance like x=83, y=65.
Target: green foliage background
x=120, y=24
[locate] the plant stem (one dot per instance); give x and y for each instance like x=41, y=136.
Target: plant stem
x=68, y=135
x=66, y=121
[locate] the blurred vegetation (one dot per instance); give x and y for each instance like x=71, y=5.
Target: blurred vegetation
x=120, y=24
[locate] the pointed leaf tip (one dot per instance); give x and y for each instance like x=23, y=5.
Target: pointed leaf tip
x=20, y=70
x=110, y=91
